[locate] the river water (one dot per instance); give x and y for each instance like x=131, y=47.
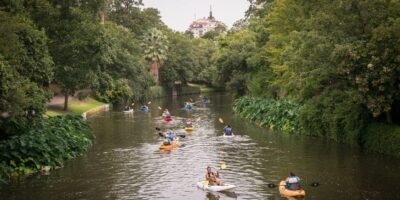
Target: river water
x=125, y=161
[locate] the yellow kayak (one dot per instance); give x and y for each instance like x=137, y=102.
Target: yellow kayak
x=174, y=144
x=189, y=129
x=290, y=193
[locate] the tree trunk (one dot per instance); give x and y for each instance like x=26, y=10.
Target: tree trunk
x=155, y=66
x=388, y=117
x=66, y=101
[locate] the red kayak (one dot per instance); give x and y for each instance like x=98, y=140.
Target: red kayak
x=168, y=119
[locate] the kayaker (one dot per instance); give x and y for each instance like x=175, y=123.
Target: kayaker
x=292, y=182
x=188, y=105
x=170, y=137
x=189, y=123
x=204, y=100
x=211, y=177
x=228, y=130
x=167, y=114
x=144, y=108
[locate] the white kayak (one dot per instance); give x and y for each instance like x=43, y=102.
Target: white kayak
x=229, y=136
x=215, y=188
x=128, y=111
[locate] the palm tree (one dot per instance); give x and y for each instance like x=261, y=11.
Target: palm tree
x=155, y=49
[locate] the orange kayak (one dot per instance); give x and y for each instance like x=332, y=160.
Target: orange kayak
x=290, y=193
x=174, y=144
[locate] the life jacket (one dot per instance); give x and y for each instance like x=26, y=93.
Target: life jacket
x=228, y=131
x=170, y=137
x=293, y=183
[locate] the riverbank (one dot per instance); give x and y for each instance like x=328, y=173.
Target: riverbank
x=286, y=116
x=75, y=106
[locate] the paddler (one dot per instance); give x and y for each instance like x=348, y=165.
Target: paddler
x=169, y=137
x=228, y=130
x=292, y=182
x=166, y=113
x=144, y=108
x=211, y=177
x=204, y=100
x=189, y=123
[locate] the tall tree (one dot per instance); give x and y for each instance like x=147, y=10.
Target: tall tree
x=155, y=45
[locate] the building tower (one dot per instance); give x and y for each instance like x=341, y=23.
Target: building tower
x=211, y=17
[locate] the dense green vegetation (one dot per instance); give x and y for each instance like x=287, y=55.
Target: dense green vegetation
x=337, y=59
x=283, y=115
x=59, y=138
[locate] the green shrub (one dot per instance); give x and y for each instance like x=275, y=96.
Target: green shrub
x=61, y=138
x=282, y=114
x=382, y=138
x=334, y=115
x=158, y=91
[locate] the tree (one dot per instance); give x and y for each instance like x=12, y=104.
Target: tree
x=180, y=64
x=126, y=63
x=232, y=59
x=128, y=14
x=25, y=48
x=155, y=50
x=23, y=102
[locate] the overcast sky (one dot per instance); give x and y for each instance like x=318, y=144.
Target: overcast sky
x=179, y=14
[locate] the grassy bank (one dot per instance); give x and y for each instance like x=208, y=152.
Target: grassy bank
x=75, y=107
x=290, y=117
x=41, y=149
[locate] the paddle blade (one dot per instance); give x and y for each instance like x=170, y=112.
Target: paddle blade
x=159, y=108
x=314, y=184
x=271, y=185
x=149, y=103
x=133, y=104
x=205, y=183
x=223, y=166
x=221, y=120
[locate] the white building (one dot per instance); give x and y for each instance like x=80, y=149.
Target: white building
x=204, y=25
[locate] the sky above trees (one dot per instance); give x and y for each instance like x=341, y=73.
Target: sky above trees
x=178, y=14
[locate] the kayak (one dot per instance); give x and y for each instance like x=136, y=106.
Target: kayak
x=167, y=119
x=229, y=136
x=215, y=188
x=290, y=193
x=144, y=110
x=128, y=111
x=188, y=107
x=189, y=129
x=174, y=144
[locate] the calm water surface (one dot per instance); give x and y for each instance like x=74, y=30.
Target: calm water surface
x=125, y=162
